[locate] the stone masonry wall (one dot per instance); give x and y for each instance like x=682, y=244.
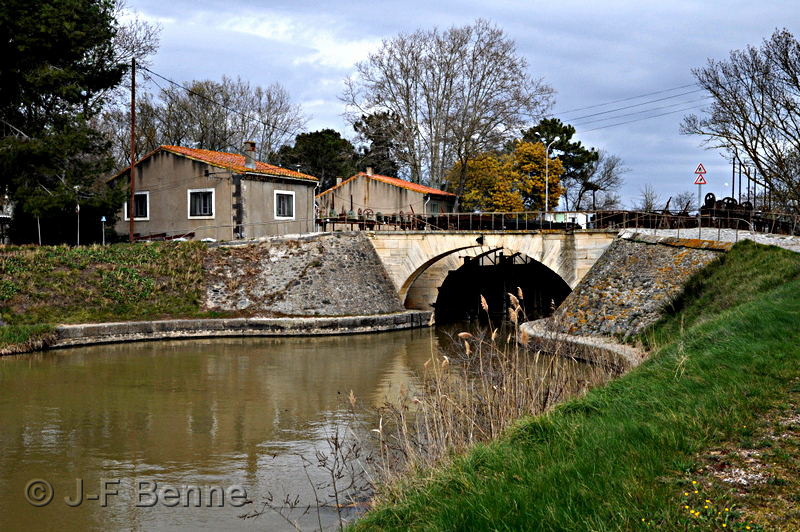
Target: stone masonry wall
x=628, y=287
x=318, y=275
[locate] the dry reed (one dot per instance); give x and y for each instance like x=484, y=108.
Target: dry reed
x=471, y=392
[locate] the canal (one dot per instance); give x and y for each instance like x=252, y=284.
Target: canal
x=203, y=413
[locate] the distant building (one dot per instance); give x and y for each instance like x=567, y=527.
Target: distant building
x=383, y=195
x=202, y=194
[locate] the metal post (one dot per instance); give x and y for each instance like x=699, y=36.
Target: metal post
x=699, y=218
x=39, y=230
x=78, y=211
x=748, y=185
x=739, y=199
x=132, y=173
x=547, y=174
x=546, y=179
x=103, y=229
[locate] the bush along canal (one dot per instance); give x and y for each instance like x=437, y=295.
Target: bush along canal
x=662, y=446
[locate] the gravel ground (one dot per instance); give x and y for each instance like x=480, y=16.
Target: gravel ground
x=725, y=235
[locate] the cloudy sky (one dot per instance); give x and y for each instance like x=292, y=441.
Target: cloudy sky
x=591, y=53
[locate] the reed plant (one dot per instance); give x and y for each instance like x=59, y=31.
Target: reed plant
x=471, y=391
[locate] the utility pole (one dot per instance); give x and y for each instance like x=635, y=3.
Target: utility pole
x=131, y=206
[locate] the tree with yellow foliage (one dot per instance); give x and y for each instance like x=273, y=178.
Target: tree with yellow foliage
x=510, y=182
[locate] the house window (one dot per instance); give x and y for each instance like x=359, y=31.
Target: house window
x=201, y=203
x=284, y=205
x=141, y=207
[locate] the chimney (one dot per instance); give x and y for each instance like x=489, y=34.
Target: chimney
x=250, y=154
x=369, y=170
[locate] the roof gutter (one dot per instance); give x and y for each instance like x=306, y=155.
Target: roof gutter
x=288, y=178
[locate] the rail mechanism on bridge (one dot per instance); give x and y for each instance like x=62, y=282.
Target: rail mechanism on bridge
x=493, y=275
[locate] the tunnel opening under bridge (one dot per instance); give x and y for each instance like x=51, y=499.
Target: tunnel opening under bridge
x=493, y=275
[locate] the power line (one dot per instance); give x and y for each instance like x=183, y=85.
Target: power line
x=615, y=117
x=624, y=99
x=214, y=102
x=643, y=118
x=636, y=105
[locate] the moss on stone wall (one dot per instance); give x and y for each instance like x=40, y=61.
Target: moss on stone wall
x=629, y=286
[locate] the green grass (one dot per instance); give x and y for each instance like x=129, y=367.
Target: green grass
x=621, y=457
x=59, y=284
x=21, y=338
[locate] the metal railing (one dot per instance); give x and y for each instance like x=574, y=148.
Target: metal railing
x=763, y=222
x=685, y=225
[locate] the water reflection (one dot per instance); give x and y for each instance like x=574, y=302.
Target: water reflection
x=203, y=412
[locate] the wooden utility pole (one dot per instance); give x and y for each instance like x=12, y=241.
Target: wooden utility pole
x=132, y=173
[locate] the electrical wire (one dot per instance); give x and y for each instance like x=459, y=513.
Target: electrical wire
x=214, y=102
x=624, y=99
x=615, y=117
x=636, y=105
x=643, y=118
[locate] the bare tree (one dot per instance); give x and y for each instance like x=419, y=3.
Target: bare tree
x=210, y=115
x=684, y=201
x=135, y=37
x=597, y=188
x=754, y=114
x=455, y=94
x=649, y=200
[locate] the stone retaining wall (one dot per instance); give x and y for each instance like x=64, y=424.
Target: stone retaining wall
x=98, y=333
x=335, y=274
x=627, y=288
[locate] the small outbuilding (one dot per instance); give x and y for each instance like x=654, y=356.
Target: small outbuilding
x=204, y=194
x=382, y=196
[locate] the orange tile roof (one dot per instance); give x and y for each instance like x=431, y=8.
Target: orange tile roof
x=230, y=161
x=396, y=181
x=235, y=162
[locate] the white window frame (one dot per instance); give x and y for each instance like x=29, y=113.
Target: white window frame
x=275, y=204
x=189, y=203
x=136, y=218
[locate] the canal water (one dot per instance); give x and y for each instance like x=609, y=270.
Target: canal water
x=124, y=424
x=220, y=412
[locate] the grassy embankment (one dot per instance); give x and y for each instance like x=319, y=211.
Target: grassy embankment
x=44, y=286
x=630, y=454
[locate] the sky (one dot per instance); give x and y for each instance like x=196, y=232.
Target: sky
x=590, y=52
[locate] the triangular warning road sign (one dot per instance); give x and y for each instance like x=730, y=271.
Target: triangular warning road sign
x=700, y=169
x=701, y=180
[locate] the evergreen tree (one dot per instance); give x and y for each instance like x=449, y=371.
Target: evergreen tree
x=381, y=131
x=323, y=154
x=58, y=62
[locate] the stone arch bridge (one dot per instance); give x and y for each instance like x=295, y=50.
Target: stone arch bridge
x=419, y=261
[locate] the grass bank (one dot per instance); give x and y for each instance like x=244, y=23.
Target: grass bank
x=623, y=456
x=41, y=286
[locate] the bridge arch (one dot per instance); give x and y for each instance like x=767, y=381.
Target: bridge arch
x=454, y=283
x=417, y=260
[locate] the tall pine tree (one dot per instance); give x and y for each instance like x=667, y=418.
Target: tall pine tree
x=58, y=62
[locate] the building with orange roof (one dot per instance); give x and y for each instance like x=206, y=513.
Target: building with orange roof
x=206, y=194
x=384, y=195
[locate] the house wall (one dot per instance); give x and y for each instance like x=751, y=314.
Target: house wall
x=259, y=207
x=380, y=197
x=167, y=178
